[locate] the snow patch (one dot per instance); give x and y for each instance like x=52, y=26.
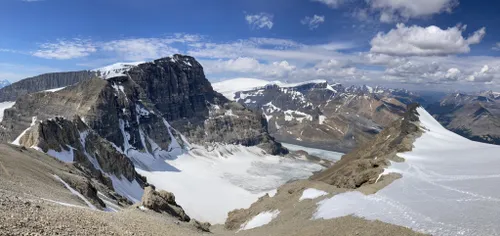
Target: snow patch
x=66, y=156
x=261, y=219
x=18, y=139
x=73, y=191
x=312, y=193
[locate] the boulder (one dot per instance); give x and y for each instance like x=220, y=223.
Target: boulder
x=163, y=202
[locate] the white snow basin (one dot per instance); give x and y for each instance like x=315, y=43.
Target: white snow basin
x=449, y=187
x=208, y=185
x=261, y=219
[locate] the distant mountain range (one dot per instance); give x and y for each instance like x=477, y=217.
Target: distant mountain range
x=475, y=116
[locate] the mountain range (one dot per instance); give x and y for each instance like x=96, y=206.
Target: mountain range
x=167, y=151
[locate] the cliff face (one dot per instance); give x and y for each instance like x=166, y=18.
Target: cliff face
x=42, y=82
x=151, y=112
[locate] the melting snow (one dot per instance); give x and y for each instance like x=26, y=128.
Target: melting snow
x=447, y=187
x=322, y=119
x=63, y=155
x=312, y=193
x=54, y=90
x=261, y=219
x=18, y=139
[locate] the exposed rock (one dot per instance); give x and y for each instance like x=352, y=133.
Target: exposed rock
x=320, y=115
x=205, y=226
x=474, y=116
x=365, y=164
x=42, y=82
x=163, y=201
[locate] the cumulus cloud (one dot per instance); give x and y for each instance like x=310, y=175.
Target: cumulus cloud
x=486, y=74
x=496, y=47
x=66, y=49
x=402, y=10
x=313, y=22
x=261, y=20
x=140, y=48
x=420, y=41
x=331, y=3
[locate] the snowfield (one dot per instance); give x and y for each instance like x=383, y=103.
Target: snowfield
x=449, y=187
x=209, y=184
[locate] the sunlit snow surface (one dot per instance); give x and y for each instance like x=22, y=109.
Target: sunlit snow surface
x=449, y=187
x=261, y=219
x=312, y=193
x=323, y=154
x=209, y=184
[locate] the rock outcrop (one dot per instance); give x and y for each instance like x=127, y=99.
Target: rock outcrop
x=365, y=164
x=42, y=82
x=163, y=201
x=320, y=115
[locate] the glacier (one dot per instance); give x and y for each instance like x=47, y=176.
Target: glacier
x=448, y=187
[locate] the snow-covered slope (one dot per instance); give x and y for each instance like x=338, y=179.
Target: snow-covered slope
x=228, y=88
x=117, y=69
x=209, y=184
x=448, y=187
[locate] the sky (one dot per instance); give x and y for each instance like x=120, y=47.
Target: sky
x=426, y=44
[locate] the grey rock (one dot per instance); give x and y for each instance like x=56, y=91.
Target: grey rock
x=42, y=82
x=163, y=201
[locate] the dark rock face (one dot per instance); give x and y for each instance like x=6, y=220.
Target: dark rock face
x=163, y=201
x=176, y=86
x=325, y=116
x=474, y=116
x=43, y=82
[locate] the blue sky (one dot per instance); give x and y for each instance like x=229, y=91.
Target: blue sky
x=398, y=43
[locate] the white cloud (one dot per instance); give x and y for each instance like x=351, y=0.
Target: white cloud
x=66, y=49
x=269, y=49
x=261, y=20
x=402, y=10
x=313, y=22
x=140, y=49
x=419, y=41
x=331, y=3
x=487, y=74
x=496, y=47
